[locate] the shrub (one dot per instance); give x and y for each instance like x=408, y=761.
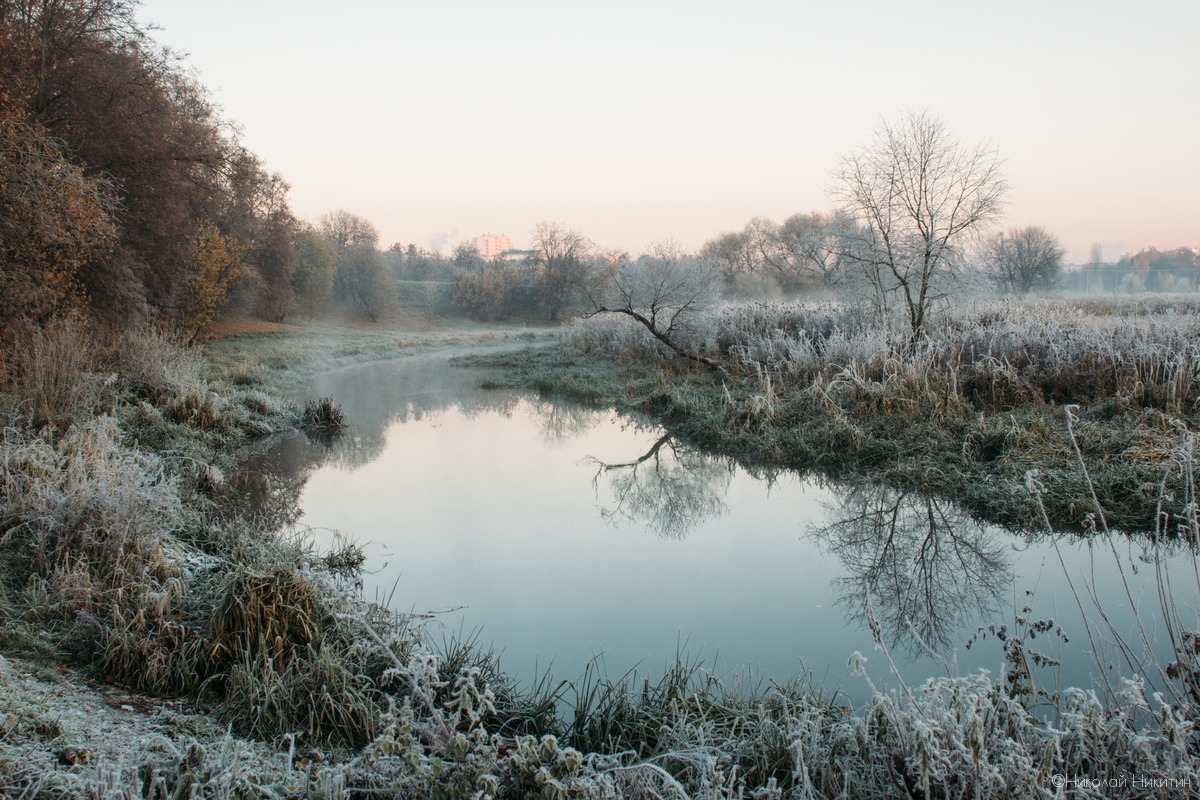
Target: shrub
x=90, y=500
x=55, y=374
x=487, y=293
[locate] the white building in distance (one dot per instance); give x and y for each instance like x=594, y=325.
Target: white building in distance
x=492, y=245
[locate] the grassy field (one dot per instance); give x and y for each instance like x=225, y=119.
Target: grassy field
x=157, y=643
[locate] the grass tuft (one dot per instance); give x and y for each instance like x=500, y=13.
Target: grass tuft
x=323, y=420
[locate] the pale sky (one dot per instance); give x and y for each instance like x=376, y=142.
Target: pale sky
x=634, y=122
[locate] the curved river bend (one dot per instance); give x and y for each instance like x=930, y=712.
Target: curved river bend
x=564, y=534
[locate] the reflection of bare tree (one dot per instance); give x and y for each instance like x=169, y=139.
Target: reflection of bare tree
x=924, y=566
x=670, y=488
x=560, y=421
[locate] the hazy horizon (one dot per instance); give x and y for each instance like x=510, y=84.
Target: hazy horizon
x=639, y=122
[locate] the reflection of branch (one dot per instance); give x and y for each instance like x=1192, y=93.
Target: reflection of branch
x=665, y=439
x=679, y=491
x=928, y=565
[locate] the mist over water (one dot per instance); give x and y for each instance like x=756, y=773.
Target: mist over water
x=564, y=534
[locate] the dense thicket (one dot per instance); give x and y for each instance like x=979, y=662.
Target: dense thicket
x=122, y=191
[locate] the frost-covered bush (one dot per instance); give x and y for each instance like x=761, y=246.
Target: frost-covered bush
x=55, y=377
x=155, y=365
x=86, y=498
x=614, y=335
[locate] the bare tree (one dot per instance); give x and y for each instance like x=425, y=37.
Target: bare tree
x=665, y=291
x=803, y=249
x=799, y=253
x=917, y=194
x=1095, y=267
x=346, y=231
x=1024, y=260
x=736, y=253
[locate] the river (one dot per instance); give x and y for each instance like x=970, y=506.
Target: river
x=565, y=535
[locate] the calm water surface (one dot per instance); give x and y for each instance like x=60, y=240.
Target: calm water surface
x=564, y=534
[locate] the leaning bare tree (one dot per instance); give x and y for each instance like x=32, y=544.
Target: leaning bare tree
x=917, y=194
x=665, y=291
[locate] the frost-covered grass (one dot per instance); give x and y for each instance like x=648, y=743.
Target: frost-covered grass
x=982, y=358
x=949, y=737
x=114, y=561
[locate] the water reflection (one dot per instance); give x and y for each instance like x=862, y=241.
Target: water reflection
x=559, y=422
x=669, y=489
x=270, y=478
x=565, y=532
x=922, y=566
x=271, y=475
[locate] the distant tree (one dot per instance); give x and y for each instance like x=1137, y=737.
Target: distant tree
x=486, y=292
x=466, y=255
x=563, y=267
x=807, y=249
x=666, y=291
x=917, y=194
x=415, y=263
x=797, y=254
x=346, y=231
x=1092, y=277
x=737, y=254
x=274, y=259
x=316, y=259
x=1024, y=260
x=369, y=285
x=351, y=237
x=1155, y=270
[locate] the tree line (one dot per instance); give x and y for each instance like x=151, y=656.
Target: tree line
x=125, y=195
